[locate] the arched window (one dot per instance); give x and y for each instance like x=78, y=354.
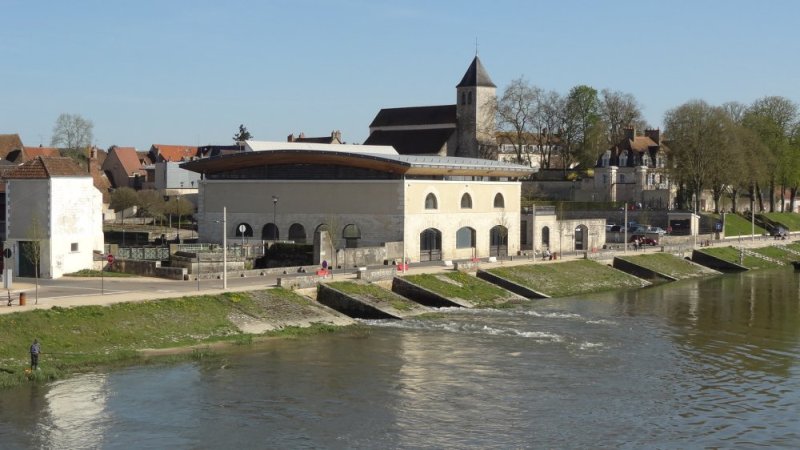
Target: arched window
x=646, y=160
x=297, y=233
x=430, y=202
x=469, y=97
x=499, y=201
x=546, y=237
x=466, y=201
x=351, y=234
x=248, y=230
x=463, y=98
x=270, y=232
x=465, y=238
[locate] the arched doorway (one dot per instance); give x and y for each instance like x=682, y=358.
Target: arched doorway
x=545, y=237
x=297, y=233
x=581, y=238
x=248, y=230
x=498, y=241
x=270, y=232
x=351, y=234
x=430, y=245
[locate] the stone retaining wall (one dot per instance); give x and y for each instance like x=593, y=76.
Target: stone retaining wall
x=351, y=306
x=420, y=295
x=510, y=285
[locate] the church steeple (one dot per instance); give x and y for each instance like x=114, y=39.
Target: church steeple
x=476, y=76
x=475, y=99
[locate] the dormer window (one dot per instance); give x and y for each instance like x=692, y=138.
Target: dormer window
x=605, y=159
x=623, y=159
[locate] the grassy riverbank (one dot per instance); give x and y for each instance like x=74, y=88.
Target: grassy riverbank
x=459, y=285
x=668, y=264
x=773, y=256
x=569, y=278
x=87, y=337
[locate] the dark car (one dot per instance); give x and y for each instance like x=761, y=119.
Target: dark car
x=643, y=240
x=779, y=232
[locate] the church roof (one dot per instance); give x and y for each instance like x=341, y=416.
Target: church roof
x=476, y=76
x=415, y=115
x=412, y=142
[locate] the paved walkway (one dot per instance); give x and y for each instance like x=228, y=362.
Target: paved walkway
x=151, y=288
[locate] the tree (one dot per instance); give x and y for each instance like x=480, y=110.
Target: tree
x=698, y=138
x=32, y=250
x=122, y=199
x=773, y=119
x=151, y=204
x=618, y=111
x=517, y=112
x=242, y=135
x=581, y=130
x=74, y=134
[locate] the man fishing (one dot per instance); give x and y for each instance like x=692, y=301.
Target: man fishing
x=35, y=350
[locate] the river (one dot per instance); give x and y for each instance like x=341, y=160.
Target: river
x=702, y=363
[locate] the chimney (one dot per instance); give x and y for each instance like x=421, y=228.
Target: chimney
x=630, y=133
x=290, y=138
x=654, y=134
x=92, y=164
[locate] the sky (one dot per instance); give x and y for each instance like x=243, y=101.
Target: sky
x=190, y=72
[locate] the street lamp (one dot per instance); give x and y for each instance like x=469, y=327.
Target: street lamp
x=179, y=213
x=274, y=217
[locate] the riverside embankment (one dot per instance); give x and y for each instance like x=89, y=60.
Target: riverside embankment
x=83, y=333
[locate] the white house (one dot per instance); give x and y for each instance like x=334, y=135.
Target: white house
x=52, y=204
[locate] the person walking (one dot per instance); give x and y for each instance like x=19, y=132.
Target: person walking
x=35, y=350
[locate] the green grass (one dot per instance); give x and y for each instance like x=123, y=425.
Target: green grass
x=736, y=225
x=374, y=293
x=777, y=253
x=568, y=278
x=667, y=264
x=480, y=293
x=87, y=273
x=87, y=337
x=731, y=254
x=788, y=220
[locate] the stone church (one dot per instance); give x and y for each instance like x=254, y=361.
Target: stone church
x=464, y=129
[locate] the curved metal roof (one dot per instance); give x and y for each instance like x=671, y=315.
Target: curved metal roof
x=397, y=164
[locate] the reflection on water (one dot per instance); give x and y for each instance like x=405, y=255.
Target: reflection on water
x=692, y=364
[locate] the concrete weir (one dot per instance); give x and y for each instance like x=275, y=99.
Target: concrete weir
x=423, y=296
x=360, y=307
x=510, y=285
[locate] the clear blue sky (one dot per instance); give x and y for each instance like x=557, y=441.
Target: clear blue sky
x=189, y=72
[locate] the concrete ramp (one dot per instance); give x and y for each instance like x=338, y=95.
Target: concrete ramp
x=367, y=301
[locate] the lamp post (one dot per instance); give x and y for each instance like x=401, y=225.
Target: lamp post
x=224, y=247
x=179, y=213
x=274, y=218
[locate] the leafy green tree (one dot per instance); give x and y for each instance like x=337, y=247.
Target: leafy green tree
x=773, y=119
x=151, y=204
x=242, y=135
x=122, y=199
x=698, y=139
x=581, y=129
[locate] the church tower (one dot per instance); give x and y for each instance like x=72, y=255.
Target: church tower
x=476, y=96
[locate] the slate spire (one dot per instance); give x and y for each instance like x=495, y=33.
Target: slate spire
x=476, y=76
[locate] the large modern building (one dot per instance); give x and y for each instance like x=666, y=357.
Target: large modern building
x=423, y=207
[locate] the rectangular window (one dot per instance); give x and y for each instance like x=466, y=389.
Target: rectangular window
x=73, y=247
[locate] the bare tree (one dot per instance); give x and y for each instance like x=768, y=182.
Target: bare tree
x=516, y=115
x=32, y=250
x=618, y=111
x=74, y=134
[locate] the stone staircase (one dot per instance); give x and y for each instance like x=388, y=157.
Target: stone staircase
x=787, y=249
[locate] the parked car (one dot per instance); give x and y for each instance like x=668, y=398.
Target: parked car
x=660, y=231
x=643, y=240
x=779, y=232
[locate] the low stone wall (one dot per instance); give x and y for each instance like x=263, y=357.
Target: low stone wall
x=381, y=274
x=148, y=269
x=466, y=266
x=419, y=294
x=510, y=285
x=639, y=271
x=302, y=281
x=348, y=305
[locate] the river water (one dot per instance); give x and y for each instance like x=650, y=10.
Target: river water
x=709, y=363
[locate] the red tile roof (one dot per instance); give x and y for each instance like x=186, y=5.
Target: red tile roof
x=34, y=152
x=40, y=168
x=9, y=143
x=174, y=152
x=129, y=159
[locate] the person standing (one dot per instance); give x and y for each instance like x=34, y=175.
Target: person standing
x=35, y=350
